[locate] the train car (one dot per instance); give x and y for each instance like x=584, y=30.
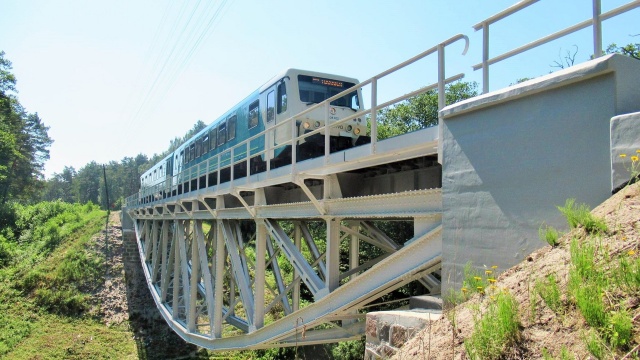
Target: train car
x=210, y=156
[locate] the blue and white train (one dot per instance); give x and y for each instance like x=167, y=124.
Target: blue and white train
x=282, y=97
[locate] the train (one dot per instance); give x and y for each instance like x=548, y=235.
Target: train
x=236, y=143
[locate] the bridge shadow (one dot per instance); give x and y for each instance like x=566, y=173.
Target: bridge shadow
x=154, y=338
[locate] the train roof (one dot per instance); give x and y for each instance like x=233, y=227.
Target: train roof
x=293, y=72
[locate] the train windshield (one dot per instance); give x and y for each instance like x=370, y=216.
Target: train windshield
x=315, y=90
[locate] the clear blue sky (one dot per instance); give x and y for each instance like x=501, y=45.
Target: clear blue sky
x=118, y=78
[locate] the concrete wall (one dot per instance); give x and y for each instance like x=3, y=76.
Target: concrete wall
x=625, y=140
x=510, y=157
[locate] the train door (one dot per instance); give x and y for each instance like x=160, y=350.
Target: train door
x=273, y=103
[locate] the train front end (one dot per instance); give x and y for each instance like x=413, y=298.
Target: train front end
x=314, y=88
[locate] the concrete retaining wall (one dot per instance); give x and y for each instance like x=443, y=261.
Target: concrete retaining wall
x=510, y=157
x=387, y=331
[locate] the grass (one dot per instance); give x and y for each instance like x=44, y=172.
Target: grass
x=495, y=331
x=550, y=293
x=550, y=235
x=580, y=215
x=43, y=300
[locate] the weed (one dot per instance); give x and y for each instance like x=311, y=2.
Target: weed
x=550, y=235
x=549, y=291
x=587, y=284
x=581, y=215
x=495, y=331
x=595, y=345
x=619, y=329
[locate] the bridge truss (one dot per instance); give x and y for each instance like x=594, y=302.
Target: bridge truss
x=300, y=260
x=297, y=254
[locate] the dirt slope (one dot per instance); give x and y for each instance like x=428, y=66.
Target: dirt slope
x=124, y=297
x=543, y=330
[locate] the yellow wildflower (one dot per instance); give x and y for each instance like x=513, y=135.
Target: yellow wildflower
x=631, y=252
x=493, y=281
x=638, y=151
x=477, y=278
x=480, y=288
x=634, y=158
x=464, y=289
x=494, y=267
x=488, y=272
x=623, y=155
x=493, y=287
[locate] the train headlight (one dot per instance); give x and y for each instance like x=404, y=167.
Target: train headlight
x=349, y=127
x=317, y=124
x=356, y=131
x=306, y=125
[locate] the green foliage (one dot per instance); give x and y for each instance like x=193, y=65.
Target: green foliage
x=564, y=354
x=420, y=111
x=619, y=329
x=631, y=50
x=595, y=345
x=549, y=234
x=581, y=215
x=586, y=283
x=349, y=350
x=628, y=273
x=496, y=331
x=549, y=291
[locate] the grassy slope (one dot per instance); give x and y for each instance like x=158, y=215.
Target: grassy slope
x=549, y=287
x=42, y=316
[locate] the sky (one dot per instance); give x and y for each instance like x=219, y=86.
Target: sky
x=117, y=78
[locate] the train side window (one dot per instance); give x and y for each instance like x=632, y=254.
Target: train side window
x=253, y=114
x=231, y=127
x=282, y=97
x=205, y=144
x=198, y=147
x=271, y=103
x=222, y=134
x=192, y=152
x=213, y=138
x=183, y=156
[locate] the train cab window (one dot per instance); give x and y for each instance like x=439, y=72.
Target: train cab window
x=213, y=138
x=282, y=97
x=231, y=127
x=205, y=144
x=222, y=134
x=271, y=104
x=315, y=90
x=192, y=152
x=253, y=114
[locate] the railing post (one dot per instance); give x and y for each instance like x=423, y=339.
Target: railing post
x=597, y=29
x=327, y=133
x=441, y=95
x=248, y=161
x=485, y=57
x=374, y=113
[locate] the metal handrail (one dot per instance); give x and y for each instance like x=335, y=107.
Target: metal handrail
x=595, y=21
x=187, y=175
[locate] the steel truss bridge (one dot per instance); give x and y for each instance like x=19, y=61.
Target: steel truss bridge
x=295, y=255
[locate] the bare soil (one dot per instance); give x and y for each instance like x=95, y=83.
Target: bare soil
x=545, y=329
x=125, y=298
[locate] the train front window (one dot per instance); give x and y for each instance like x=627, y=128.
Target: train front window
x=315, y=89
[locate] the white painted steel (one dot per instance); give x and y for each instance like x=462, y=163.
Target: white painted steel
x=595, y=21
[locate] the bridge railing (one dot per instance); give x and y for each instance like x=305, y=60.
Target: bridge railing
x=596, y=21
x=237, y=154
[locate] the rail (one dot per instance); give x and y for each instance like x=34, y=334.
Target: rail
x=242, y=152
x=595, y=21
